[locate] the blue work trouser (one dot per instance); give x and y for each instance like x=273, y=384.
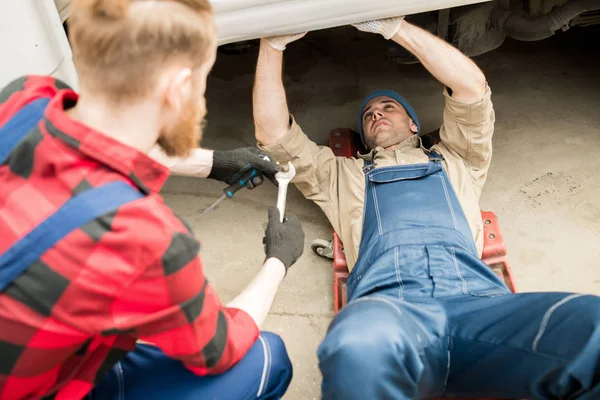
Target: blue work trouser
x=147, y=373
x=427, y=318
x=530, y=345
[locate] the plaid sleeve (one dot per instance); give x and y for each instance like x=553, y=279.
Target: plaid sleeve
x=23, y=90
x=173, y=306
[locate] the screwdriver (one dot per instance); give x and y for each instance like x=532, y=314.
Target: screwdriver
x=232, y=189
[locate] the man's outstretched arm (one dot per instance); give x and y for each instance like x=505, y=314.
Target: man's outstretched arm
x=225, y=166
x=271, y=114
x=279, y=135
x=446, y=63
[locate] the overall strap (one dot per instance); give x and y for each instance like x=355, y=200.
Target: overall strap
x=434, y=156
x=368, y=166
x=16, y=128
x=75, y=213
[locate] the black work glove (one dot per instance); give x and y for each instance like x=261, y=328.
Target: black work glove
x=284, y=241
x=229, y=166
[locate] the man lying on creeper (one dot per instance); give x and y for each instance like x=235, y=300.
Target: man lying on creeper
x=426, y=317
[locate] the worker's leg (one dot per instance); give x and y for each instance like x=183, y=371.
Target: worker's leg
x=533, y=345
x=385, y=348
x=146, y=373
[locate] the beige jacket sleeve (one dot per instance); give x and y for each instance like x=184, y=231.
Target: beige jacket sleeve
x=316, y=167
x=467, y=132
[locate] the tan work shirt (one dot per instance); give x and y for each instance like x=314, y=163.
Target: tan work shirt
x=337, y=184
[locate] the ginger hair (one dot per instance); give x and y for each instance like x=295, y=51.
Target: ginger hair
x=120, y=47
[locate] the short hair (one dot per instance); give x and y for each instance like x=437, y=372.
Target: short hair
x=119, y=46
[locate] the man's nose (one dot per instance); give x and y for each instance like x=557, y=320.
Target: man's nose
x=377, y=115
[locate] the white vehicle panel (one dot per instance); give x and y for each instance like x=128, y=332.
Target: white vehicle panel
x=239, y=20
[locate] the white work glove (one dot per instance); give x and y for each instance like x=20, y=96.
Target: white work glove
x=385, y=27
x=279, y=42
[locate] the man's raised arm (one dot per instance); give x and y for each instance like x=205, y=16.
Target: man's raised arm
x=451, y=67
x=280, y=136
x=446, y=63
x=271, y=114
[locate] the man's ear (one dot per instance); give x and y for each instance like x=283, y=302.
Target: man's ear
x=413, y=127
x=178, y=88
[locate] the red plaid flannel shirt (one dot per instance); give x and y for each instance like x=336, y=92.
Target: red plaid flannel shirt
x=134, y=273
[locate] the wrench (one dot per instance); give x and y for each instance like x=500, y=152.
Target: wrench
x=284, y=178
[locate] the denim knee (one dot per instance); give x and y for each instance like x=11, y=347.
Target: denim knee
x=368, y=353
x=370, y=346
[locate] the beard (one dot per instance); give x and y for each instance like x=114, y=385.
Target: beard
x=186, y=135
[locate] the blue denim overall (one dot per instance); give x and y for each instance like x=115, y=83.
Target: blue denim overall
x=426, y=317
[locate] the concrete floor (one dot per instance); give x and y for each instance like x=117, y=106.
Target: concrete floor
x=544, y=183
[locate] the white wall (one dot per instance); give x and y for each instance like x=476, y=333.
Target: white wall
x=32, y=41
